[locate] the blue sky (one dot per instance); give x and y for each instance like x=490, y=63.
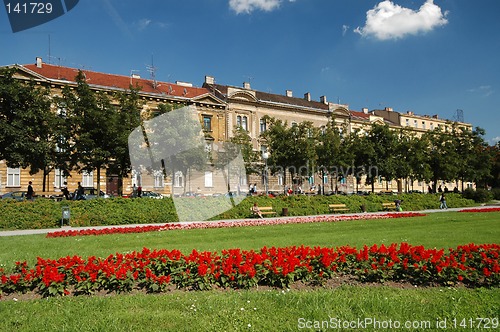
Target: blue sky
x=429, y=57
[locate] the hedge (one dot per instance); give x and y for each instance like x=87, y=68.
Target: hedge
x=43, y=213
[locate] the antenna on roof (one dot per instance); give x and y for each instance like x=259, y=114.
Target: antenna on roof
x=459, y=116
x=152, y=71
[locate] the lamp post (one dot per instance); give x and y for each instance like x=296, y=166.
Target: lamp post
x=265, y=156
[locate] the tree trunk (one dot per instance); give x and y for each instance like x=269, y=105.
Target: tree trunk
x=98, y=181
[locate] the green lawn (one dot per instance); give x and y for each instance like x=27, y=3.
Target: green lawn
x=263, y=309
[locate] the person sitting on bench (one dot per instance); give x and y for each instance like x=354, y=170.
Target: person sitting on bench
x=256, y=211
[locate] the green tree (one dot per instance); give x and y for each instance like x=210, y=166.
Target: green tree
x=414, y=153
x=129, y=118
x=331, y=152
x=474, y=159
x=291, y=149
x=384, y=143
x=442, y=155
x=93, y=121
x=30, y=130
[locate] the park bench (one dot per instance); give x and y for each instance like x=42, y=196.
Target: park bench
x=264, y=210
x=389, y=206
x=338, y=207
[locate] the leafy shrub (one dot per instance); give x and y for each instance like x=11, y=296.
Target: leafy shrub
x=496, y=193
x=479, y=195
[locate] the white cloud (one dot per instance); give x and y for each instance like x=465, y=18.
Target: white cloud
x=144, y=23
x=344, y=29
x=483, y=90
x=248, y=6
x=388, y=20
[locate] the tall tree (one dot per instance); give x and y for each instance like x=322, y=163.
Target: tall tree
x=93, y=122
x=291, y=149
x=30, y=130
x=129, y=118
x=384, y=141
x=442, y=156
x=331, y=152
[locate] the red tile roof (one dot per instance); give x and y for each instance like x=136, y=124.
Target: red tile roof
x=112, y=81
x=222, y=91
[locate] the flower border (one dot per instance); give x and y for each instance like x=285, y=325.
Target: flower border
x=157, y=271
x=225, y=224
x=485, y=209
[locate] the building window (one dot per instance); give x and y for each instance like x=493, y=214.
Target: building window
x=432, y=126
x=244, y=123
x=59, y=179
x=88, y=179
x=423, y=124
x=263, y=125
x=280, y=179
x=207, y=123
x=208, y=179
x=238, y=121
x=325, y=178
x=415, y=123
x=407, y=122
x=159, y=179
x=179, y=180
x=13, y=177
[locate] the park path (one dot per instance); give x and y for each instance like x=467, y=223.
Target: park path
x=49, y=230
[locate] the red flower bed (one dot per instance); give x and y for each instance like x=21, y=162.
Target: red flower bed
x=489, y=209
x=158, y=270
x=221, y=224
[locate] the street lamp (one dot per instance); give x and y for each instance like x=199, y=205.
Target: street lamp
x=265, y=156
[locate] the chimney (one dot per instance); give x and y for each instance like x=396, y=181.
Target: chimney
x=186, y=84
x=209, y=80
x=39, y=62
x=289, y=93
x=435, y=116
x=307, y=96
x=365, y=110
x=246, y=85
x=410, y=113
x=323, y=100
x=388, y=109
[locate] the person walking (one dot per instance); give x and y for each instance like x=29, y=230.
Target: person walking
x=442, y=199
x=79, y=192
x=30, y=194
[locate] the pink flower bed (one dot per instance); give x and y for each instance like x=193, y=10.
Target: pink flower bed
x=222, y=224
x=485, y=209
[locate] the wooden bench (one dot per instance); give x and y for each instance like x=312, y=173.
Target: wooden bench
x=264, y=210
x=337, y=207
x=389, y=206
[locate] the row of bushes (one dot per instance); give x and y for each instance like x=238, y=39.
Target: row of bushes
x=118, y=211
x=482, y=195
x=314, y=205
